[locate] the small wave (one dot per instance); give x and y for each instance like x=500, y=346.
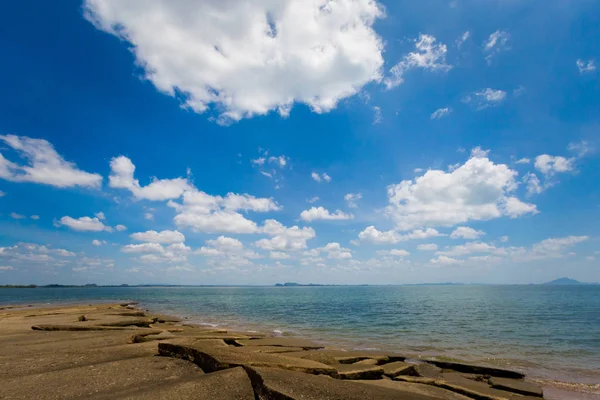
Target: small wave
x=278, y=332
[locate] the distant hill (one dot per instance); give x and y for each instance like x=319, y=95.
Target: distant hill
x=565, y=281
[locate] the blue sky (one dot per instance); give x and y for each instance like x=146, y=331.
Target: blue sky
x=347, y=141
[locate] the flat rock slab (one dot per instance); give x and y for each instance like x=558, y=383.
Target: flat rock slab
x=229, y=384
x=103, y=378
x=282, y=342
x=516, y=386
x=476, y=369
x=398, y=368
x=75, y=328
x=358, y=371
x=333, y=357
x=212, y=359
x=268, y=349
x=368, y=361
x=427, y=390
x=427, y=371
x=271, y=383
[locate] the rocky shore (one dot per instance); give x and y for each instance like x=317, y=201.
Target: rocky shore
x=110, y=351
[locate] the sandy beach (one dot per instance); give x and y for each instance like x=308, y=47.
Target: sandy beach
x=106, y=351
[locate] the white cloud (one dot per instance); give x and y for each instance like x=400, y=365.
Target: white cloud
x=372, y=235
x=320, y=213
x=121, y=228
x=581, y=148
x=14, y=215
x=278, y=255
x=444, y=260
x=148, y=216
x=320, y=178
x=164, y=237
x=427, y=247
x=464, y=232
x=100, y=216
x=281, y=161
x=334, y=251
x=35, y=217
x=215, y=214
x=83, y=224
x=496, y=43
x=377, y=115
x=284, y=239
x=34, y=253
x=478, y=190
x=43, y=165
x=122, y=176
x=585, y=66
x=248, y=58
x=313, y=200
x=394, y=252
x=549, y=165
x=2, y=194
x=97, y=242
x=352, y=198
x=534, y=185
x=504, y=239
x=6, y=268
x=524, y=160
x=441, y=113
x=428, y=55
x=259, y=161
x=485, y=98
x=463, y=38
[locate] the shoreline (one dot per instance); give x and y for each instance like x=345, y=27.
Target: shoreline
x=554, y=387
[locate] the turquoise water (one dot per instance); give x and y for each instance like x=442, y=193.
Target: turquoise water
x=549, y=332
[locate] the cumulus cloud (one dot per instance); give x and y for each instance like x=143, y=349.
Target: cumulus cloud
x=444, y=260
x=164, y=237
x=83, y=224
x=533, y=183
x=524, y=160
x=14, y=215
x=549, y=165
x=121, y=228
x=429, y=55
x=320, y=178
x=283, y=238
x=585, y=66
x=27, y=253
x=215, y=214
x=464, y=232
x=352, y=198
x=372, y=235
x=122, y=177
x=262, y=56
x=42, y=164
x=478, y=190
x=320, y=213
x=427, y=247
x=228, y=248
x=394, y=252
x=97, y=242
x=333, y=250
x=485, y=98
x=441, y=113
x=497, y=42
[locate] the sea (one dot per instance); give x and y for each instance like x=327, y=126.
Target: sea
x=552, y=333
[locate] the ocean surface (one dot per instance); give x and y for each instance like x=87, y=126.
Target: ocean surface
x=552, y=333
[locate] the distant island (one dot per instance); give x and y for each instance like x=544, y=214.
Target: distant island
x=566, y=281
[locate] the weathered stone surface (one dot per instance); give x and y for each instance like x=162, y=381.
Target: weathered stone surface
x=398, y=368
x=476, y=369
x=332, y=357
x=143, y=323
x=358, y=371
x=268, y=349
x=272, y=383
x=131, y=314
x=165, y=318
x=282, y=342
x=150, y=336
x=427, y=371
x=516, y=386
x=229, y=384
x=212, y=359
x=74, y=328
x=103, y=378
x=368, y=361
x=427, y=390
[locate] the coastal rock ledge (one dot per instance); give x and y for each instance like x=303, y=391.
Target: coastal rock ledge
x=51, y=353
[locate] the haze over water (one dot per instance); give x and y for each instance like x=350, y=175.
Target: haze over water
x=549, y=332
